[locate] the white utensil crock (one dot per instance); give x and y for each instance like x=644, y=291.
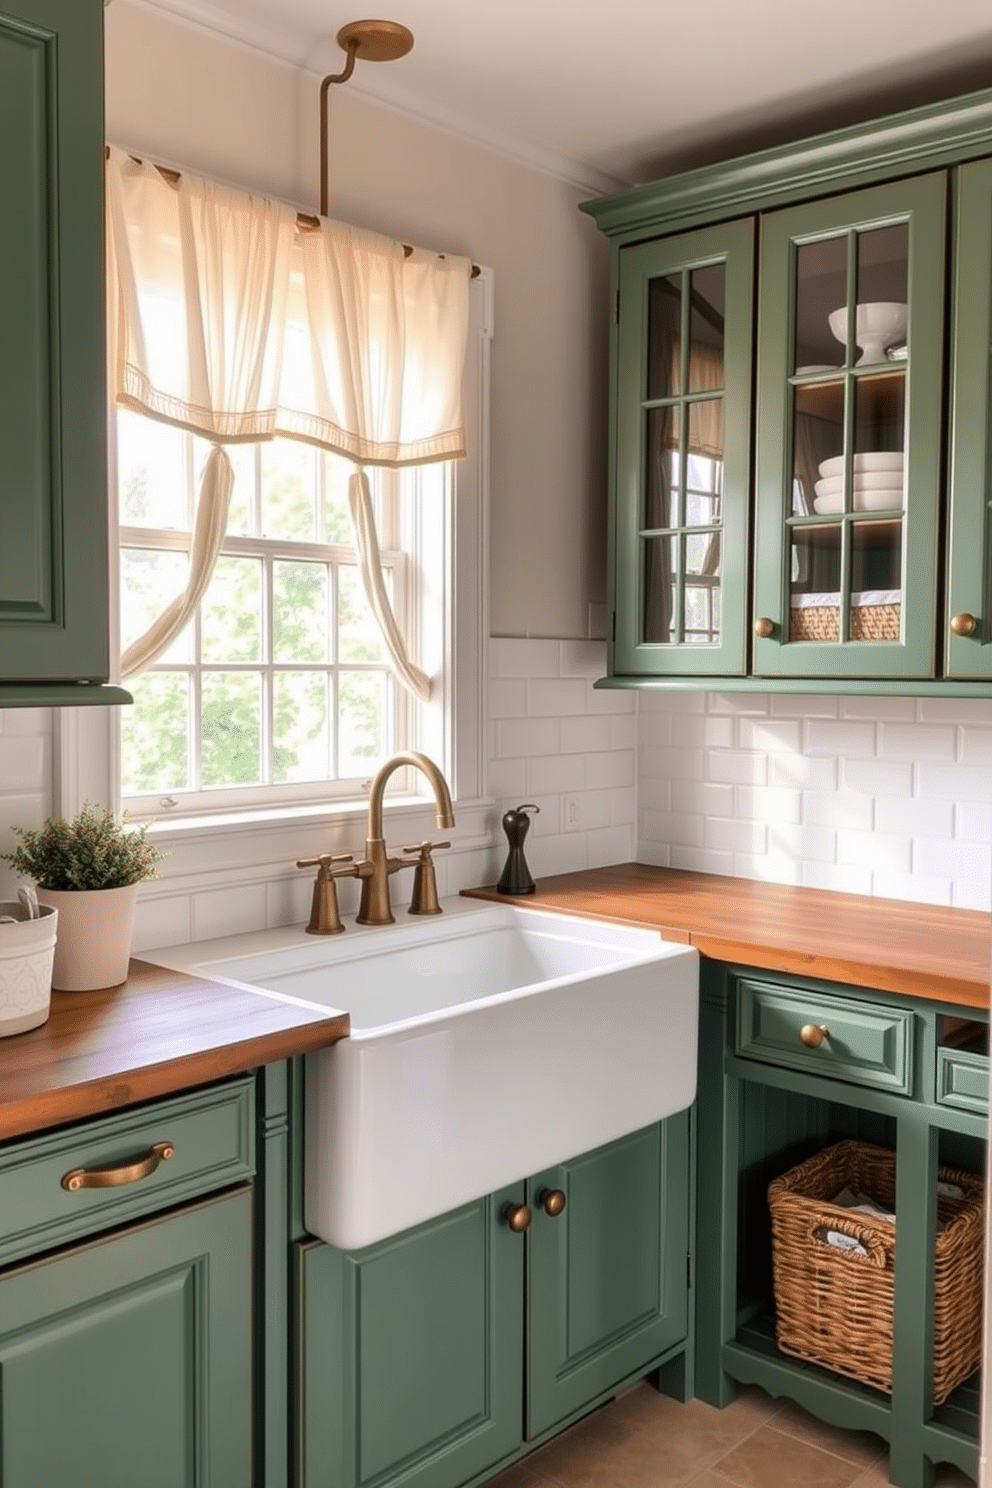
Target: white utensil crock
x=26, y=952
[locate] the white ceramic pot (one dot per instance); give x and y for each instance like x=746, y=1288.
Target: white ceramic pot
x=94, y=939
x=26, y=951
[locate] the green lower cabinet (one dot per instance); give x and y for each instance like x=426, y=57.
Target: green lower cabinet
x=412, y=1353
x=606, y=1284
x=435, y=1355
x=126, y=1362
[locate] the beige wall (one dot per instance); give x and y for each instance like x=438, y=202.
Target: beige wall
x=190, y=97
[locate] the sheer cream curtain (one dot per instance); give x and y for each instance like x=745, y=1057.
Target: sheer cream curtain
x=234, y=319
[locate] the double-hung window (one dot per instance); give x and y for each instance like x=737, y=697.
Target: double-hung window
x=283, y=689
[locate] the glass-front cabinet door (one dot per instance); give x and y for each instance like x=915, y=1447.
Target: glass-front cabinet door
x=968, y=612
x=682, y=454
x=848, y=434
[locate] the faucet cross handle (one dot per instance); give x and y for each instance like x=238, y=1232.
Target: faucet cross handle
x=424, y=900
x=325, y=918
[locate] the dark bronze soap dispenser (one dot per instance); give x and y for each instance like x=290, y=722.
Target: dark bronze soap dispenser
x=515, y=878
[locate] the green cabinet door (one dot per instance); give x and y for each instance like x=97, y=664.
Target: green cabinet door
x=849, y=387
x=126, y=1363
x=968, y=611
x=606, y=1286
x=53, y=481
x=410, y=1353
x=682, y=454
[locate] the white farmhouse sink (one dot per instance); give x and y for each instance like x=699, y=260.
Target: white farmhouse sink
x=486, y=1044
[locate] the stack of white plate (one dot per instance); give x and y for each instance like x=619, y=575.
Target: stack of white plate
x=877, y=477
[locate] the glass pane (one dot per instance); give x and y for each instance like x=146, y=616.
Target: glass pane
x=876, y=557
x=231, y=728
x=883, y=266
x=818, y=448
x=289, y=489
x=706, y=315
x=702, y=589
x=358, y=633
x=155, y=735
x=151, y=473
x=300, y=726
x=150, y=580
x=662, y=468
x=300, y=613
x=362, y=722
x=664, y=330
x=815, y=567
x=231, y=623
x=703, y=491
x=660, y=591
x=880, y=427
x=337, y=515
x=821, y=288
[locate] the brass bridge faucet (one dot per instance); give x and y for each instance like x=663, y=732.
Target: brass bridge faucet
x=374, y=872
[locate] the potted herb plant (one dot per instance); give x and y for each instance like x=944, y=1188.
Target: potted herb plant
x=88, y=869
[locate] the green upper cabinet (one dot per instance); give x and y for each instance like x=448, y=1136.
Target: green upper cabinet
x=969, y=582
x=683, y=452
x=53, y=482
x=848, y=441
x=844, y=545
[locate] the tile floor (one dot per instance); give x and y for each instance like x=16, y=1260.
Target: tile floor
x=645, y=1440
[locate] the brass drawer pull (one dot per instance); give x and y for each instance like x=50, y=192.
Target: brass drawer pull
x=964, y=624
x=133, y=1172
x=813, y=1034
x=552, y=1201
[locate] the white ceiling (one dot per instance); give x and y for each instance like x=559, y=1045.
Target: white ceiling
x=609, y=92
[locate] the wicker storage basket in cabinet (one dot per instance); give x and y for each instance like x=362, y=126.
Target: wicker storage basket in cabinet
x=835, y=1307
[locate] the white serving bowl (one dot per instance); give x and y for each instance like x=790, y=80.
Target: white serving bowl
x=878, y=325
x=874, y=460
x=873, y=480
x=863, y=500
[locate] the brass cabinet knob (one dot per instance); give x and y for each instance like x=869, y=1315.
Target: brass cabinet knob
x=764, y=626
x=552, y=1201
x=517, y=1217
x=964, y=624
x=813, y=1034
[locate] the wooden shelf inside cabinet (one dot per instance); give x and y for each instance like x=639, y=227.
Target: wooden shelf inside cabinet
x=886, y=533
x=880, y=396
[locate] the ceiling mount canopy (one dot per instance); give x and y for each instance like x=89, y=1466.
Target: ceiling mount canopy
x=363, y=41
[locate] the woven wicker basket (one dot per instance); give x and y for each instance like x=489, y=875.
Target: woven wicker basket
x=835, y=1307
x=879, y=622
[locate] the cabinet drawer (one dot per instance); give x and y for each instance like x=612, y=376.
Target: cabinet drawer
x=211, y=1133
x=963, y=1080
x=863, y=1043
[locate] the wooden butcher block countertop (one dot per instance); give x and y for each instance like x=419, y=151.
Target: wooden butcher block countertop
x=159, y=1033
x=922, y=950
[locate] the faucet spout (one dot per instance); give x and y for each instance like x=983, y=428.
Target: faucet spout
x=375, y=908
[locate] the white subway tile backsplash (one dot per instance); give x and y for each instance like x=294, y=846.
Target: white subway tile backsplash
x=516, y=737
x=584, y=735
x=549, y=697
x=704, y=731
x=510, y=656
x=610, y=845
x=917, y=741
x=702, y=860
x=843, y=808
x=737, y=767
x=768, y=803
x=605, y=771
x=770, y=735
x=844, y=737
x=507, y=697
x=561, y=772
x=582, y=659
x=867, y=795
x=508, y=778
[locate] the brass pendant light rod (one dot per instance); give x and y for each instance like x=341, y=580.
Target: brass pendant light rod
x=368, y=41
